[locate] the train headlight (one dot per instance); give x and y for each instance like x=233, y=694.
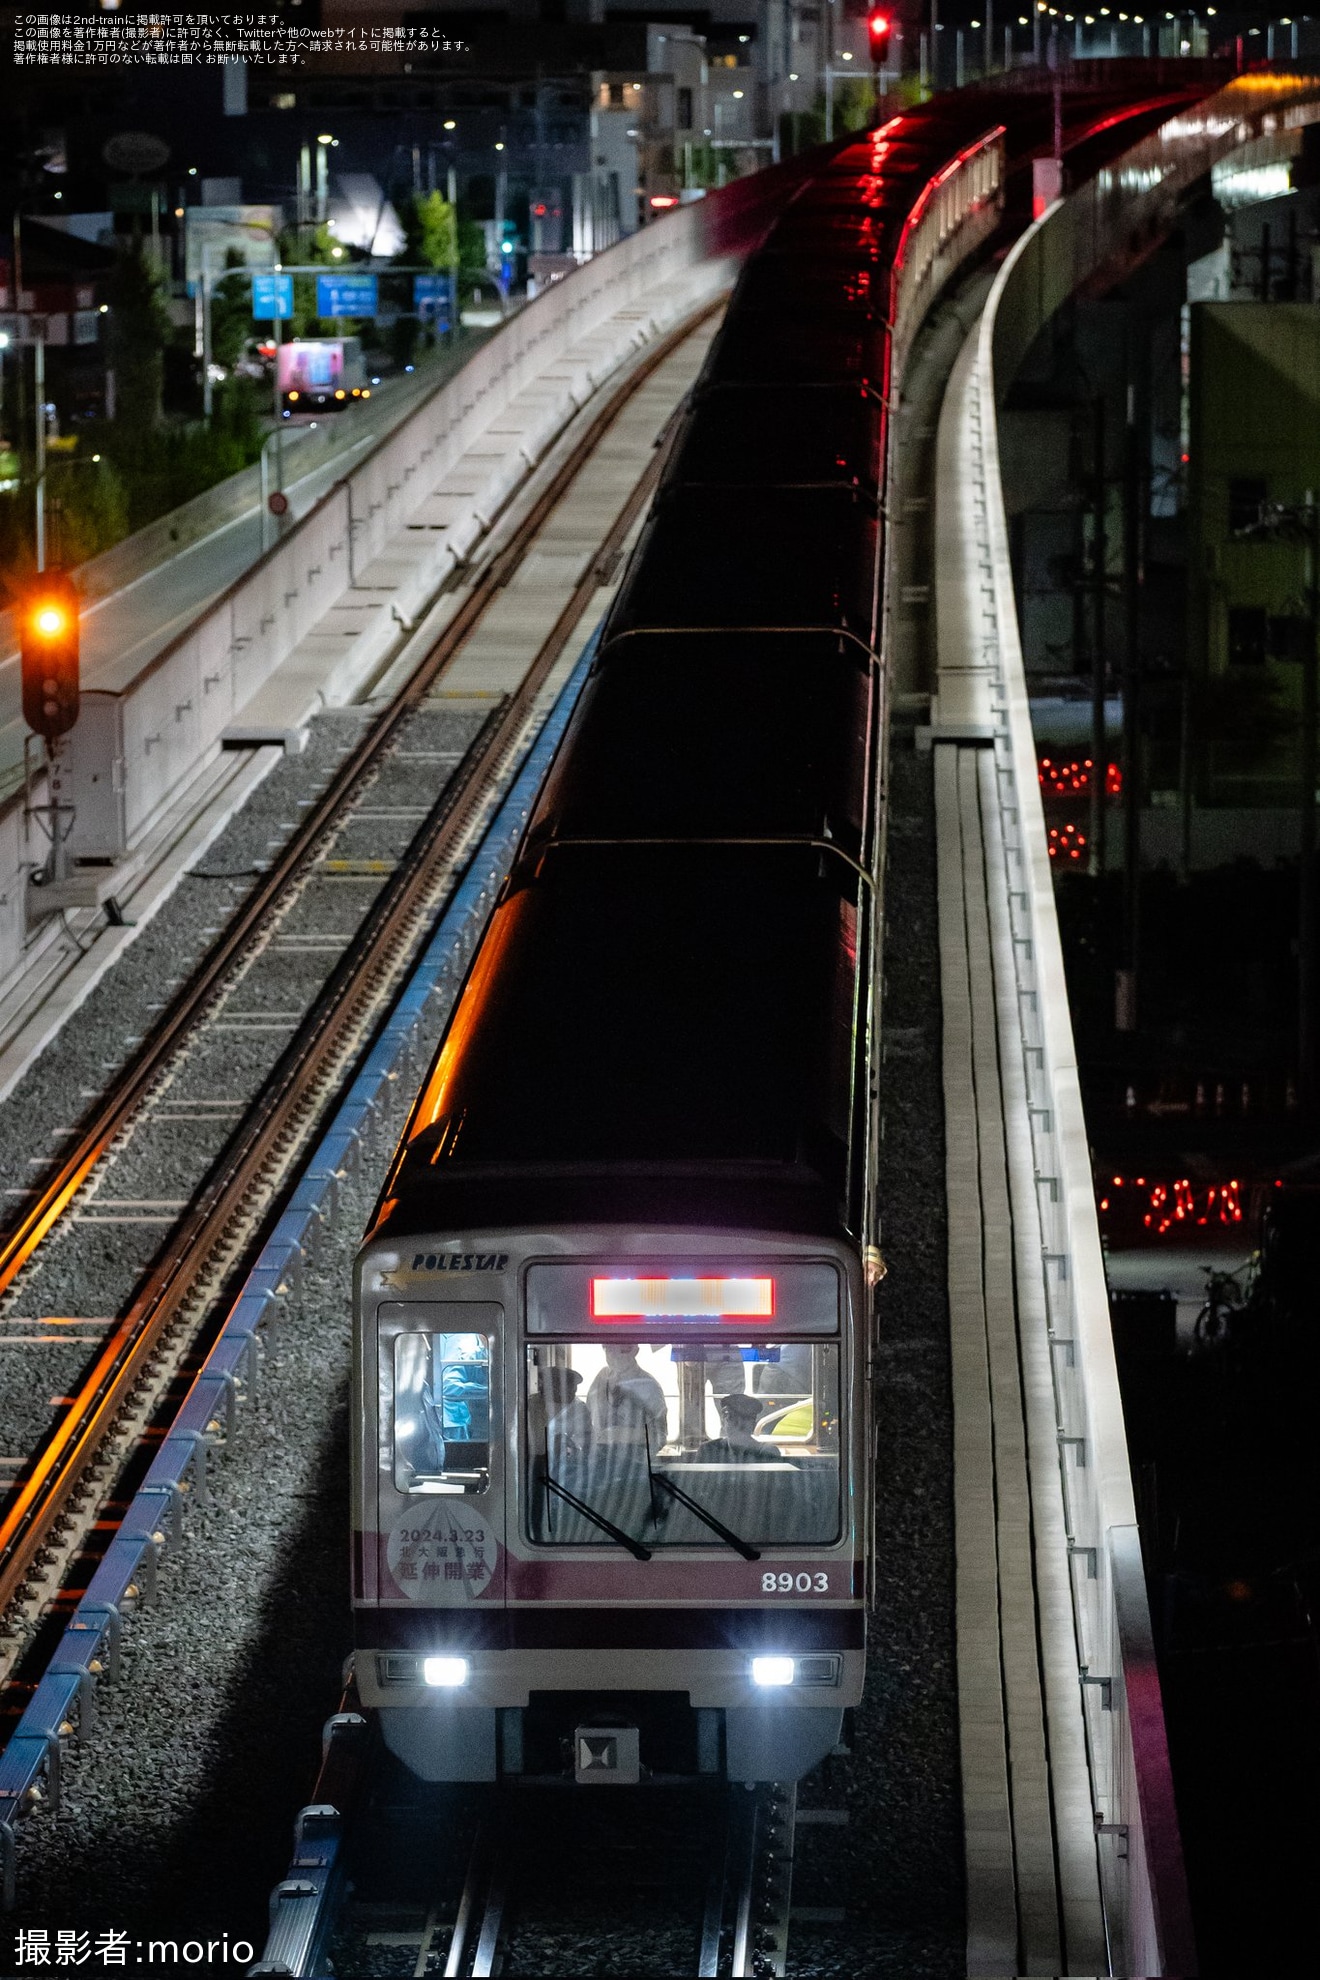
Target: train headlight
x=773, y=1670
x=445, y=1671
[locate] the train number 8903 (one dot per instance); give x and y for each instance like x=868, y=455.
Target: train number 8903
x=795, y=1584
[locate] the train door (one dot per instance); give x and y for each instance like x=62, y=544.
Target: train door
x=442, y=1451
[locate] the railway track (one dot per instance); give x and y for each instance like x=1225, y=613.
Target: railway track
x=743, y=1929
x=388, y=867
x=508, y=1911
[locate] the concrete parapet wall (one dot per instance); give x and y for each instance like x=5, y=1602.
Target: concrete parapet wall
x=337, y=594
x=1073, y=1408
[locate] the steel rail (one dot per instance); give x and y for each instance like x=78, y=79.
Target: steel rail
x=276, y=1126
x=748, y=1901
x=135, y=1078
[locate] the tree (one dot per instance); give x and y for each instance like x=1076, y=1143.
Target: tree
x=231, y=311
x=138, y=331
x=430, y=231
x=471, y=247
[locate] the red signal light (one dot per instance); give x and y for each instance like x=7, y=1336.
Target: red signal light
x=48, y=646
x=877, y=28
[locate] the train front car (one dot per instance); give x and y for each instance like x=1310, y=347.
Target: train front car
x=613, y=1468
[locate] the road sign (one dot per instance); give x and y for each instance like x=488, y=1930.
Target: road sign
x=346, y=295
x=272, y=295
x=431, y=295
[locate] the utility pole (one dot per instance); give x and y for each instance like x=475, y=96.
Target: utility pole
x=1306, y=917
x=1099, y=739
x=207, y=396
x=39, y=380
x=1125, y=989
x=451, y=184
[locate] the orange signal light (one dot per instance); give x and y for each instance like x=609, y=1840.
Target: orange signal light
x=48, y=642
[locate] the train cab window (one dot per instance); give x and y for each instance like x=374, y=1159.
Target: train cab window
x=668, y=1441
x=442, y=1412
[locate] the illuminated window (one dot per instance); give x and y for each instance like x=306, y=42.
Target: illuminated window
x=747, y=1433
x=441, y=1412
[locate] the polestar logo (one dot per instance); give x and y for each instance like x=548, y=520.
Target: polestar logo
x=460, y=1261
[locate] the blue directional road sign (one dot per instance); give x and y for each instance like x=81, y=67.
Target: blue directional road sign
x=346, y=295
x=272, y=295
x=430, y=293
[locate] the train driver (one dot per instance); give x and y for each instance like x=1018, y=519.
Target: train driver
x=627, y=1405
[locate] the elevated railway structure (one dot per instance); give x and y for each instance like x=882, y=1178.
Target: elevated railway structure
x=1068, y=1828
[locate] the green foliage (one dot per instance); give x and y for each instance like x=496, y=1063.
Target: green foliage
x=702, y=162
x=430, y=228
x=800, y=130
x=854, y=107
x=86, y=512
x=471, y=248
x=301, y=245
x=231, y=312
x=138, y=330
x=88, y=509
x=143, y=473
x=163, y=467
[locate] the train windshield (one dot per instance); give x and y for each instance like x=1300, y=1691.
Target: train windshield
x=748, y=1434
x=442, y=1412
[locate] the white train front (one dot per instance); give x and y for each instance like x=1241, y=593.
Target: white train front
x=610, y=1519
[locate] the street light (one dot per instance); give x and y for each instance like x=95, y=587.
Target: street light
x=324, y=144
x=252, y=227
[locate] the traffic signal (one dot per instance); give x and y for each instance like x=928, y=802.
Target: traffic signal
x=877, y=28
x=48, y=644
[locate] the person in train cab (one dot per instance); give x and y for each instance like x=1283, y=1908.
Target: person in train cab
x=464, y=1390
x=569, y=1428
x=627, y=1405
x=736, y=1443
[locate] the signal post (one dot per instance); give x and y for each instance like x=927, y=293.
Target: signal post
x=49, y=651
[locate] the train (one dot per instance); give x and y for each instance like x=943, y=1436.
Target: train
x=613, y=1448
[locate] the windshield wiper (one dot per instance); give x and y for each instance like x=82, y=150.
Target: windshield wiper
x=730, y=1539
x=635, y=1547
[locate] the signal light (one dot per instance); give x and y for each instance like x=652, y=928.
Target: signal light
x=877, y=28
x=48, y=646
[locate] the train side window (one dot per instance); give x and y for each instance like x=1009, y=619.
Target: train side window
x=442, y=1412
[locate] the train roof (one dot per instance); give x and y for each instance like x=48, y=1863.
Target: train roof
x=761, y=436
x=719, y=736
x=820, y=287
x=648, y=1027
x=776, y=558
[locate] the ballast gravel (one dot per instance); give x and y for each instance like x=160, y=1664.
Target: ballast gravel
x=177, y=1817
